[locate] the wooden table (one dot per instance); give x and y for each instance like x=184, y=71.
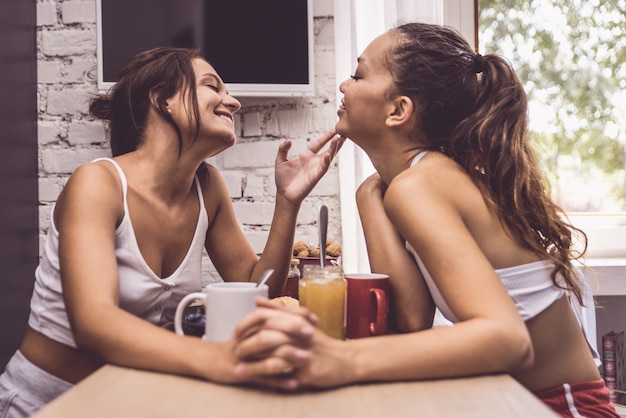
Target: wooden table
x=121, y=392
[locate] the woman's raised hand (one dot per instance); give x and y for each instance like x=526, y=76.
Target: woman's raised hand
x=296, y=178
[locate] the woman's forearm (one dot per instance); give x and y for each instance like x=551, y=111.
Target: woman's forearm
x=278, y=250
x=131, y=341
x=411, y=307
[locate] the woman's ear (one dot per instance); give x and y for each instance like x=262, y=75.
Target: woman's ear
x=402, y=112
x=154, y=102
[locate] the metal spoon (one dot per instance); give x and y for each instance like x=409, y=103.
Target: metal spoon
x=266, y=275
x=323, y=226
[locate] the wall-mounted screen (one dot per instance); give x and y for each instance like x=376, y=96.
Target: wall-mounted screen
x=259, y=47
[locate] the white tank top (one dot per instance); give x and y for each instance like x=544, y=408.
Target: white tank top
x=142, y=292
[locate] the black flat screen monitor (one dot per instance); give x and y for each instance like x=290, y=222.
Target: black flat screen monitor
x=259, y=47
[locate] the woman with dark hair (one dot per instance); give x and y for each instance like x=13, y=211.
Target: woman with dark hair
x=459, y=216
x=127, y=235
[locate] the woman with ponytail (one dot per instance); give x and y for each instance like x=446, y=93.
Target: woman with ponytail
x=460, y=217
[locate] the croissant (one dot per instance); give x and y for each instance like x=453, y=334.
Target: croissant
x=334, y=249
x=286, y=301
x=300, y=247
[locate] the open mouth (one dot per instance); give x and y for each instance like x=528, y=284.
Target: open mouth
x=226, y=116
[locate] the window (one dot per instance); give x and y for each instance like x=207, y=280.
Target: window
x=570, y=54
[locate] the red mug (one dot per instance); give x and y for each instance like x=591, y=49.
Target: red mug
x=367, y=304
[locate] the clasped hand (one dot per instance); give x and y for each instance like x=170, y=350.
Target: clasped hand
x=281, y=347
x=273, y=342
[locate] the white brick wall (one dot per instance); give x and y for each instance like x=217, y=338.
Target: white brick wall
x=68, y=137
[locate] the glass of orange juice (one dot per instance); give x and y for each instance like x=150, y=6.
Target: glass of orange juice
x=323, y=292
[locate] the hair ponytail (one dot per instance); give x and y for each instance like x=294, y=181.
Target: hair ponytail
x=100, y=107
x=503, y=164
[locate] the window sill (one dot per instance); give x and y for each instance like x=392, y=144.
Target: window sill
x=606, y=276
x=606, y=234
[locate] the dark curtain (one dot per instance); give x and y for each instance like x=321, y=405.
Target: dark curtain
x=18, y=169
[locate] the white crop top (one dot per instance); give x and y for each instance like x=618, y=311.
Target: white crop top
x=142, y=292
x=530, y=287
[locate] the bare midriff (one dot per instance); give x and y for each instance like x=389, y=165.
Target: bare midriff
x=562, y=354
x=60, y=360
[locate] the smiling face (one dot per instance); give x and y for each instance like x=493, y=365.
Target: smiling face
x=366, y=102
x=216, y=108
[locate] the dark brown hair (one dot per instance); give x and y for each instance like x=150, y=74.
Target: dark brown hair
x=156, y=74
x=474, y=109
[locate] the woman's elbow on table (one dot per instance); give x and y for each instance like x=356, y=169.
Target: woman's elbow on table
x=517, y=354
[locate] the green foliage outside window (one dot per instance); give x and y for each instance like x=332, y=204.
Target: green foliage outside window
x=571, y=57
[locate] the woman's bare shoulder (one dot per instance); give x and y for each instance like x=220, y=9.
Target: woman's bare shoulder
x=434, y=174
x=93, y=187
x=434, y=188
x=99, y=176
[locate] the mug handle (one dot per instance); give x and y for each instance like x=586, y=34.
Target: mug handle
x=180, y=309
x=380, y=326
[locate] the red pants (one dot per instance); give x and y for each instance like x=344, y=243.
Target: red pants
x=584, y=399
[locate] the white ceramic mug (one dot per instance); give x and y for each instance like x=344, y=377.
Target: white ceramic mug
x=225, y=305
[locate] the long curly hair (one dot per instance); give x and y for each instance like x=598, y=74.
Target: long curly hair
x=474, y=109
